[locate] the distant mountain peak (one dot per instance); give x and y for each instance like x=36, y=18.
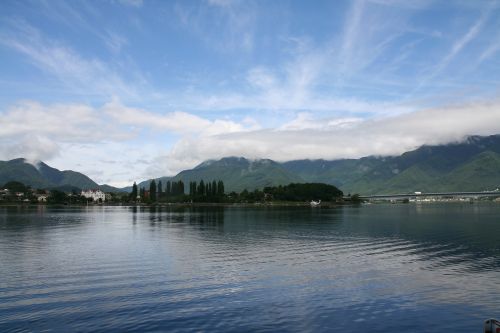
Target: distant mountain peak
x=38, y=174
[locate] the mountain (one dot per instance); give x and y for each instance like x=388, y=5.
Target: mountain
x=472, y=165
x=145, y=183
x=111, y=189
x=43, y=176
x=238, y=173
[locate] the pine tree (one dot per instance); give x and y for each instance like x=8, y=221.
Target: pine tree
x=201, y=188
x=160, y=189
x=220, y=188
x=143, y=193
x=133, y=195
x=152, y=190
x=168, y=191
x=214, y=188
x=181, y=187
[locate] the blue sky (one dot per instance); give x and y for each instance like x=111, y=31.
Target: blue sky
x=126, y=90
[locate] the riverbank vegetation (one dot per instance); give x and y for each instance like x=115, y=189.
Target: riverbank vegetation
x=204, y=192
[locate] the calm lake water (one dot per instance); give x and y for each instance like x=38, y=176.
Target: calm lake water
x=374, y=268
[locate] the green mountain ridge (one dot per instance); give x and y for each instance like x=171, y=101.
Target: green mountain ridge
x=238, y=174
x=471, y=165
x=43, y=176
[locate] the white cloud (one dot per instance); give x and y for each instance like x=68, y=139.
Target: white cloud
x=220, y=3
x=64, y=122
x=31, y=147
x=306, y=137
x=178, y=122
x=351, y=34
x=86, y=76
x=457, y=47
x=133, y=3
x=490, y=51
x=306, y=120
x=234, y=28
x=114, y=41
x=86, y=139
x=73, y=134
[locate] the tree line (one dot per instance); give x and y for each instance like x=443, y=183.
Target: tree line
x=175, y=192
x=214, y=191
x=210, y=191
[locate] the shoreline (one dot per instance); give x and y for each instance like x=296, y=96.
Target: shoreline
x=242, y=204
x=184, y=204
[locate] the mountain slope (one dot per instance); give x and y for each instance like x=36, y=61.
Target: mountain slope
x=19, y=170
x=44, y=176
x=470, y=165
x=67, y=177
x=481, y=172
x=238, y=174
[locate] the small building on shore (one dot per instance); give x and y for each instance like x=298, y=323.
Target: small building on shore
x=41, y=197
x=95, y=195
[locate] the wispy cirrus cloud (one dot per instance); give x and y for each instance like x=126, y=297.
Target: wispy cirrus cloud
x=205, y=79
x=85, y=76
x=350, y=36
x=489, y=52
x=132, y=3
x=472, y=32
x=234, y=28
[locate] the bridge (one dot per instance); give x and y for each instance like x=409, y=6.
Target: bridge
x=423, y=195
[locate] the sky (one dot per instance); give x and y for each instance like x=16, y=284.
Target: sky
x=126, y=90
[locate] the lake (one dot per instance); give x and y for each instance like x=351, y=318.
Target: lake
x=371, y=268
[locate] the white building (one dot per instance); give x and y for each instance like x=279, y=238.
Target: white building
x=41, y=197
x=94, y=195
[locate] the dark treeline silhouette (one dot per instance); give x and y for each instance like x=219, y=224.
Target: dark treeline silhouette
x=214, y=192
x=304, y=192
x=206, y=192
x=289, y=193
x=174, y=191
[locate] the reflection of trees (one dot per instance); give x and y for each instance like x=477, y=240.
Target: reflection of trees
x=207, y=216
x=163, y=215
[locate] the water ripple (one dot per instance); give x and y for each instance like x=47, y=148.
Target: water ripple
x=396, y=268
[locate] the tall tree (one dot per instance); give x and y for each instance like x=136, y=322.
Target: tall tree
x=201, y=188
x=192, y=189
x=214, y=188
x=152, y=190
x=160, y=189
x=133, y=195
x=168, y=191
x=220, y=188
x=181, y=187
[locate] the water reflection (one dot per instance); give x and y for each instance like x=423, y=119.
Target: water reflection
x=249, y=269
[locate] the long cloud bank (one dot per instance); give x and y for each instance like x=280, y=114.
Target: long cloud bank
x=309, y=138
x=43, y=132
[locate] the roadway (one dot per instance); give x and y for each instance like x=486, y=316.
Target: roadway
x=433, y=194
